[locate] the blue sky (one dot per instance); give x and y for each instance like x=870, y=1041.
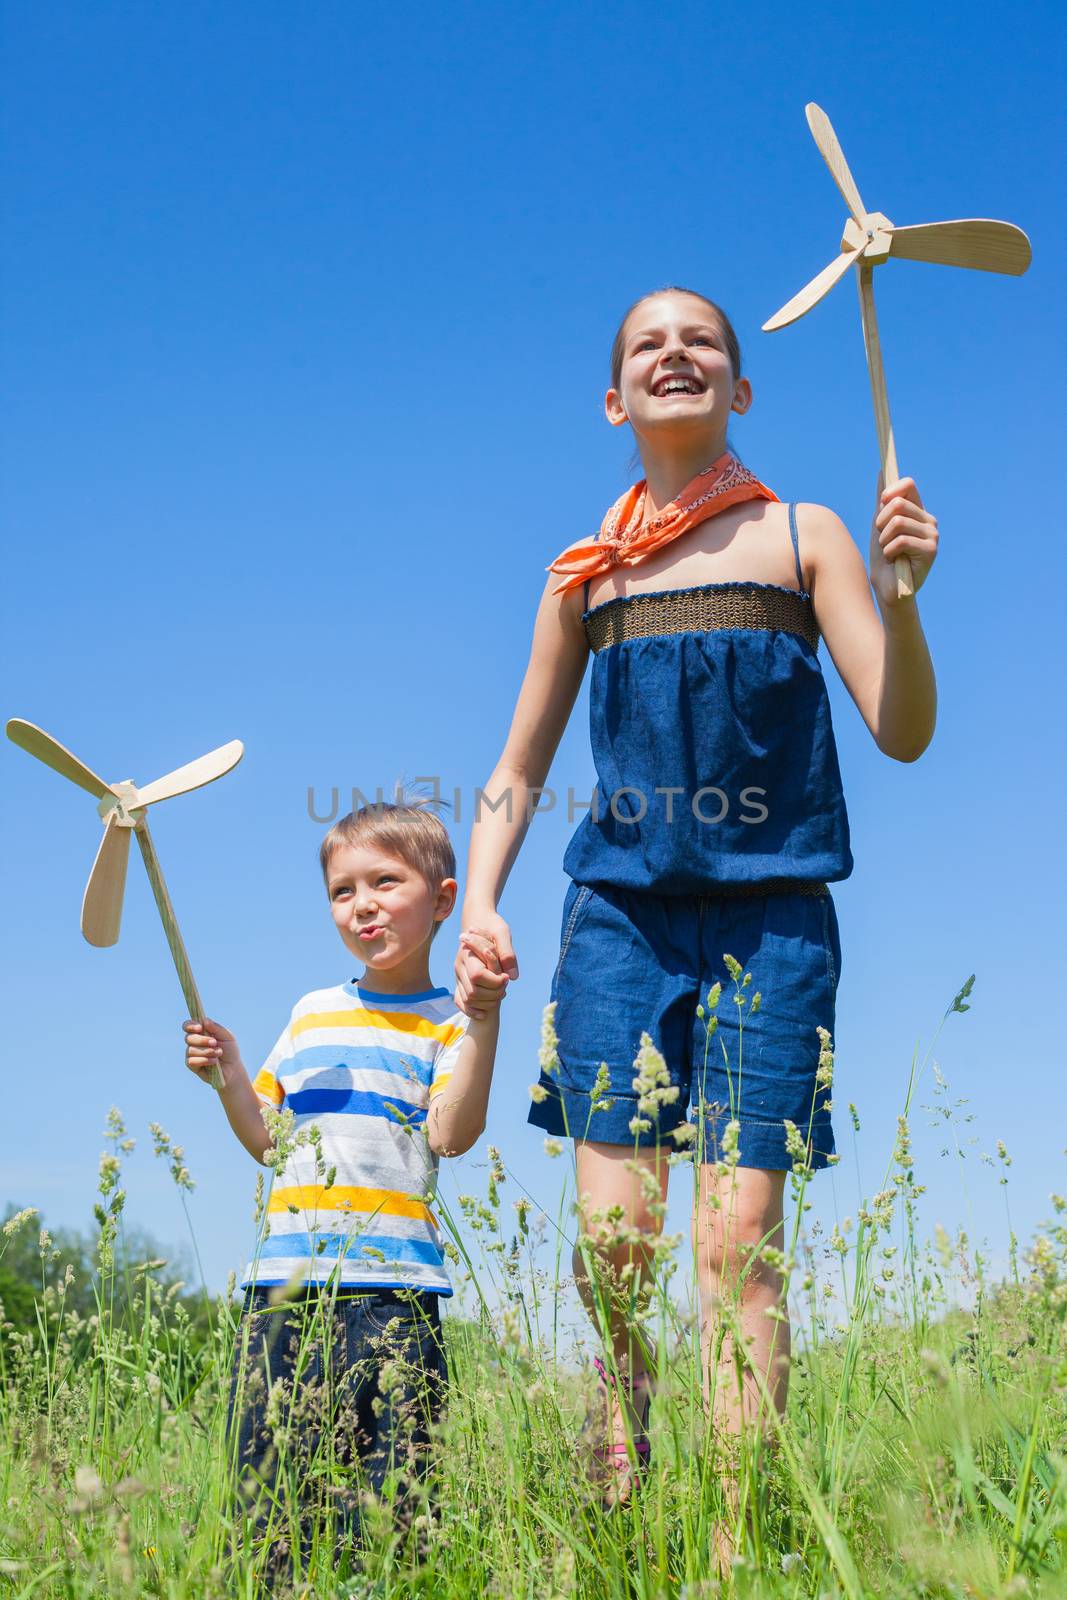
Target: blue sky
x=306, y=319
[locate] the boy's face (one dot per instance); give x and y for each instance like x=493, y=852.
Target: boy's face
x=384, y=910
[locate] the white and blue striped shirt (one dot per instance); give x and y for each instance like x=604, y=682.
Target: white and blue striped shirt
x=362, y=1068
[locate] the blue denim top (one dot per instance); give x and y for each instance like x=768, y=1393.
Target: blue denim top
x=715, y=688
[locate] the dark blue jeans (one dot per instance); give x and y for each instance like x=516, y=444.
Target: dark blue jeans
x=330, y=1397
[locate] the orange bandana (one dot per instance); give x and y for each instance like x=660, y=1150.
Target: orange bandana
x=624, y=542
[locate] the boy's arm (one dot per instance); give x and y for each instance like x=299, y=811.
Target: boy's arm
x=457, y=1112
x=209, y=1045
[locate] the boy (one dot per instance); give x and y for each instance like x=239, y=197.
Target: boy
x=380, y=1077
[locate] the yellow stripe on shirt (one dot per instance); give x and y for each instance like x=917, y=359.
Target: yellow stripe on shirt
x=402, y=1021
x=343, y=1197
x=267, y=1086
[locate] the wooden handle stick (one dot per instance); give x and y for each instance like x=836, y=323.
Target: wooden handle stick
x=886, y=446
x=173, y=933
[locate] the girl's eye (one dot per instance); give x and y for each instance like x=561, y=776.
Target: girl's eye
x=388, y=878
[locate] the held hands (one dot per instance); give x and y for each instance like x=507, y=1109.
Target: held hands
x=485, y=964
x=209, y=1045
x=902, y=526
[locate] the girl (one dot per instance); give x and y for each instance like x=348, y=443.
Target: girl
x=717, y=823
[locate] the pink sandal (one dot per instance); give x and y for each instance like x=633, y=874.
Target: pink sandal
x=618, y=1456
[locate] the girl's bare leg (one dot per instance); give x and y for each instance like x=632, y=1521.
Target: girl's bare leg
x=733, y=1215
x=633, y=1185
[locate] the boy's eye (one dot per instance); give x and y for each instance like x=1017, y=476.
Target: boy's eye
x=337, y=893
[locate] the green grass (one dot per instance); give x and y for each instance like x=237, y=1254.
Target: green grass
x=922, y=1454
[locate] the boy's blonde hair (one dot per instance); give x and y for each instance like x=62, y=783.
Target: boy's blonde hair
x=408, y=830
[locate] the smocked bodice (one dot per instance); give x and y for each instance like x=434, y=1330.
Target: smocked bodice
x=712, y=740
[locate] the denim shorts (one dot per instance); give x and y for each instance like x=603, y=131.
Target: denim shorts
x=633, y=963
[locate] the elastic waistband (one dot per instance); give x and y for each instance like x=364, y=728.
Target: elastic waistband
x=738, y=891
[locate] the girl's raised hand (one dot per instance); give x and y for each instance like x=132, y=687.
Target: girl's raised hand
x=485, y=964
x=209, y=1045
x=902, y=526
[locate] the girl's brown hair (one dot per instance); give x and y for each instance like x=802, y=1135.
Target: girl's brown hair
x=733, y=344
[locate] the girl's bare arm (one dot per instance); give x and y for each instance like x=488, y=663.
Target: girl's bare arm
x=553, y=677
x=883, y=659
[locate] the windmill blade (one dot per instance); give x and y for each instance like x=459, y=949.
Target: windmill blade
x=976, y=242
x=37, y=743
x=193, y=775
x=813, y=292
x=102, y=903
x=826, y=139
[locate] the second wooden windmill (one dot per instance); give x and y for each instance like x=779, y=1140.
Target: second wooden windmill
x=122, y=808
x=868, y=240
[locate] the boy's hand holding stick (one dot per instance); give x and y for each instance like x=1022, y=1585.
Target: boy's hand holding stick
x=213, y=1055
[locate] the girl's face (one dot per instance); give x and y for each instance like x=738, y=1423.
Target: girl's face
x=676, y=374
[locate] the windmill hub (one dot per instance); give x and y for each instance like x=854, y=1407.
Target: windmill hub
x=874, y=237
x=120, y=806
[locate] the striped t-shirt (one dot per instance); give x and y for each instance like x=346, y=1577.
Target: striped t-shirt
x=362, y=1068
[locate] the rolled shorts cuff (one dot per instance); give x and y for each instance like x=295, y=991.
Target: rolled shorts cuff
x=568, y=1113
x=763, y=1143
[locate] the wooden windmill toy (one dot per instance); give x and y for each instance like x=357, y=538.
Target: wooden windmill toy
x=122, y=808
x=869, y=239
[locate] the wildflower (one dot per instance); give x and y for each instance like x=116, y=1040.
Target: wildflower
x=553, y=1147
x=733, y=967
x=731, y=1155
x=163, y=1147
x=791, y=1560
x=538, y=1093
x=958, y=1003
x=854, y=1114
x=88, y=1488
x=824, y=1073
x=601, y=1100
x=652, y=1082
x=548, y=1055
x=639, y=1125
x=684, y=1133
x=714, y=994
x=795, y=1146
x=757, y=1001
x=1002, y=1152
x=902, y=1150
x=110, y=1168
x=13, y=1224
